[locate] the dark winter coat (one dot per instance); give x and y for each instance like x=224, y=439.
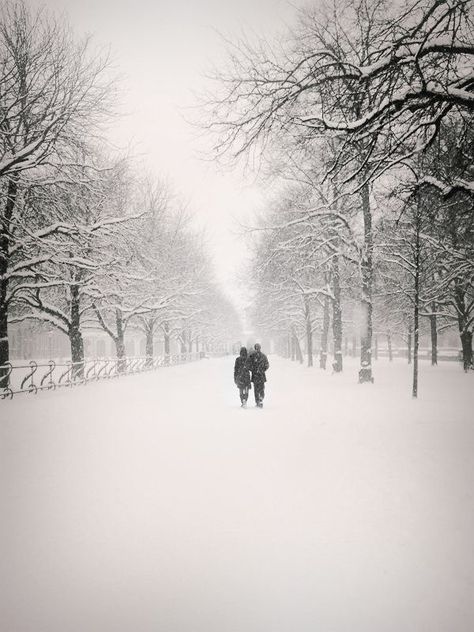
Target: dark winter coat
x=258, y=364
x=241, y=370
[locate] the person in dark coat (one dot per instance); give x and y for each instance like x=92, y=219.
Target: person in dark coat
x=242, y=376
x=258, y=364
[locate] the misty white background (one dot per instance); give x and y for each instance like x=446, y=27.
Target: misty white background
x=163, y=52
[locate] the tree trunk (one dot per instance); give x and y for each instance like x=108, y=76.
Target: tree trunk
x=4, y=350
x=75, y=335
x=292, y=346
x=466, y=342
x=149, y=346
x=336, y=316
x=298, y=353
x=416, y=308
x=5, y=232
x=120, y=352
x=309, y=332
x=120, y=341
x=464, y=332
x=434, y=336
x=415, y=350
x=389, y=344
x=166, y=341
x=365, y=373
x=77, y=353
x=410, y=331
x=324, y=335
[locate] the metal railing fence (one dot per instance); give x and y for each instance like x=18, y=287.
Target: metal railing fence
x=34, y=376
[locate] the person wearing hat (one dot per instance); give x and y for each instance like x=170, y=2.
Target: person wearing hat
x=242, y=376
x=258, y=364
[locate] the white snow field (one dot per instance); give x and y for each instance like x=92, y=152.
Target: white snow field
x=154, y=503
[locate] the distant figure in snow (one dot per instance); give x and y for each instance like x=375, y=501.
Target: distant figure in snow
x=242, y=376
x=258, y=364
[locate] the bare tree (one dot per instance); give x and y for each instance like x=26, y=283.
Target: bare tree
x=52, y=90
x=381, y=77
x=62, y=284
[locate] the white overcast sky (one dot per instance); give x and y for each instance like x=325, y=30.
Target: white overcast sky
x=162, y=49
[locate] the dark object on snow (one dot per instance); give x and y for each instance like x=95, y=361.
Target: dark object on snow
x=242, y=376
x=258, y=364
x=365, y=373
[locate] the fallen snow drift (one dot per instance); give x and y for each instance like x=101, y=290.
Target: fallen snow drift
x=154, y=503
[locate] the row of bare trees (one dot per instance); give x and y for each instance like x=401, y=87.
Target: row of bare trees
x=362, y=116
x=84, y=241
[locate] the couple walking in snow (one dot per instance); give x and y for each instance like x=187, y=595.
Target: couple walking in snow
x=255, y=363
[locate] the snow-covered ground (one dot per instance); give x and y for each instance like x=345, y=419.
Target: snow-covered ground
x=154, y=503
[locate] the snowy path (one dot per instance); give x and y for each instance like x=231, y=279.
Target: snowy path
x=155, y=504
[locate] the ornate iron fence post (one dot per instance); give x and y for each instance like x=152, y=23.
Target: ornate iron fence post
x=32, y=388
x=5, y=372
x=49, y=374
